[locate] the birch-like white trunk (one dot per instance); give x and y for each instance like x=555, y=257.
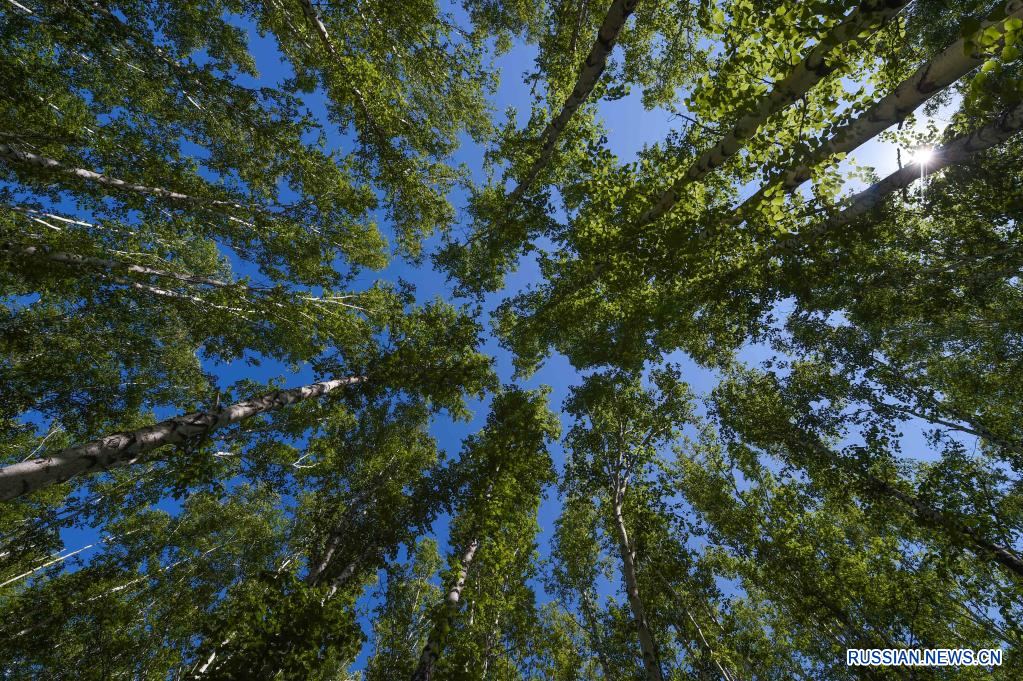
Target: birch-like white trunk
x=321, y=30
x=92, y=262
x=590, y=72
x=957, y=151
x=628, y=556
x=928, y=80
x=12, y=154
x=122, y=449
x=104, y=265
x=815, y=66
x=452, y=602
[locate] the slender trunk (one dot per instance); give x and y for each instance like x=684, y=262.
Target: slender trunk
x=699, y=630
x=628, y=556
x=586, y=605
x=91, y=262
x=814, y=67
x=338, y=581
x=452, y=602
x=121, y=449
x=133, y=40
x=321, y=30
x=53, y=561
x=592, y=68
x=932, y=77
x=11, y=154
x=957, y=151
x=925, y=514
x=109, y=264
x=104, y=265
x=935, y=518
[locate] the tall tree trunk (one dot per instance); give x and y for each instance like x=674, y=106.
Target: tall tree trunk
x=11, y=154
x=617, y=14
x=926, y=515
x=92, y=262
x=313, y=17
x=814, y=67
x=646, y=641
x=957, y=151
x=104, y=265
x=935, y=518
x=121, y=449
x=932, y=77
x=452, y=602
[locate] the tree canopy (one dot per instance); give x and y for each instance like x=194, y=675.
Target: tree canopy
x=362, y=339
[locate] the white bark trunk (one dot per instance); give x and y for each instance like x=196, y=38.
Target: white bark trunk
x=956, y=151
x=321, y=30
x=452, y=602
x=814, y=67
x=589, y=74
x=122, y=449
x=109, y=264
x=628, y=556
x=9, y=153
x=75, y=260
x=931, y=78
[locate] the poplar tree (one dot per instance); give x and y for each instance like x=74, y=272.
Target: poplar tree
x=207, y=380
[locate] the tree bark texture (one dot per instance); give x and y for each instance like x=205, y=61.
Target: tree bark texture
x=452, y=603
x=814, y=67
x=122, y=449
x=628, y=556
x=617, y=14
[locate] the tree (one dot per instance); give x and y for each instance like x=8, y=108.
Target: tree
x=226, y=418
x=493, y=528
x=614, y=443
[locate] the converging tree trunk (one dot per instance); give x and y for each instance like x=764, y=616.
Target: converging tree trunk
x=122, y=449
x=957, y=151
x=813, y=68
x=452, y=604
x=628, y=556
x=931, y=78
x=12, y=154
x=589, y=74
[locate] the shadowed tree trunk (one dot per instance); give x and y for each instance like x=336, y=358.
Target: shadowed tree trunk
x=628, y=556
x=122, y=449
x=617, y=14
x=452, y=603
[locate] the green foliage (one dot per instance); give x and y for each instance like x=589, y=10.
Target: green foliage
x=178, y=233
x=274, y=625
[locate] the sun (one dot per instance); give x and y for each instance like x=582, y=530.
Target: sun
x=923, y=156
